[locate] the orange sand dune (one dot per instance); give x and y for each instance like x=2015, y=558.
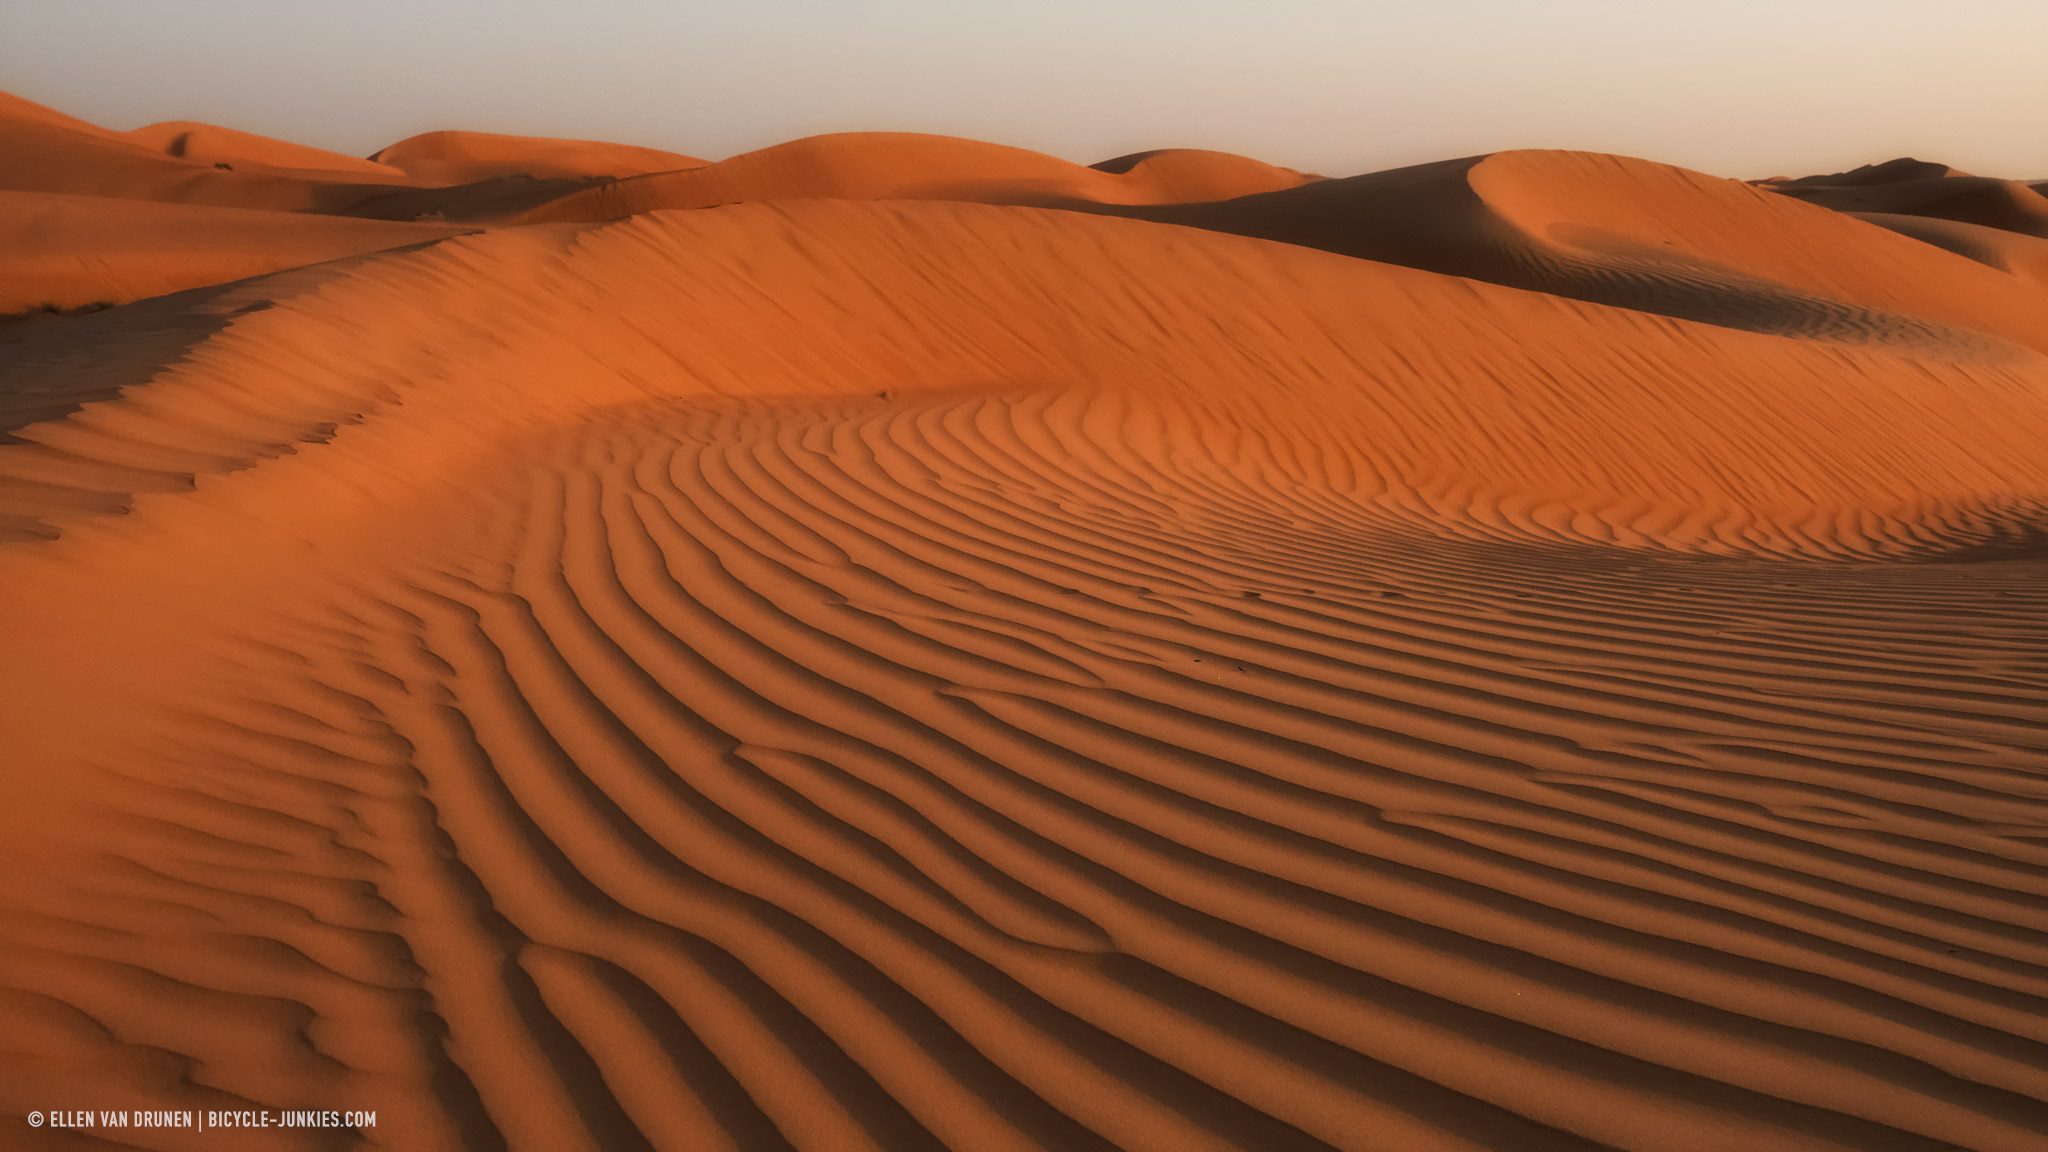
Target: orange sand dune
x=1639, y=235
x=1915, y=188
x=1189, y=175
x=2024, y=256
x=211, y=144
x=47, y=152
x=467, y=157
x=1902, y=169
x=835, y=673
x=62, y=252
x=895, y=165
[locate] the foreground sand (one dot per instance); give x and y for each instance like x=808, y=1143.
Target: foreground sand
x=1541, y=652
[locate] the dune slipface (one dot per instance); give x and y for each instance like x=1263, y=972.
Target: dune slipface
x=831, y=672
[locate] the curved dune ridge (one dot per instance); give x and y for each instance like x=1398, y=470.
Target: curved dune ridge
x=853, y=670
x=212, y=144
x=2002, y=223
x=901, y=165
x=1639, y=235
x=1474, y=408
x=1917, y=188
x=464, y=157
x=46, y=151
x=2024, y=257
x=59, y=252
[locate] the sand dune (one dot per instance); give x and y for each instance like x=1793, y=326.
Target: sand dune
x=1915, y=188
x=183, y=163
x=1547, y=656
x=1187, y=175
x=1643, y=236
x=65, y=252
x=905, y=166
x=48, y=152
x=468, y=157
x=212, y=144
x=2002, y=223
x=2024, y=256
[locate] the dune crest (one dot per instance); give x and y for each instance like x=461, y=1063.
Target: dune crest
x=227, y=147
x=1451, y=419
x=2002, y=223
x=466, y=157
x=1639, y=235
x=64, y=252
x=1912, y=187
x=899, y=165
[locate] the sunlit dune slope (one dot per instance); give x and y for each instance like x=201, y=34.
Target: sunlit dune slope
x=212, y=144
x=467, y=157
x=45, y=151
x=894, y=165
x=1433, y=396
x=1187, y=175
x=63, y=252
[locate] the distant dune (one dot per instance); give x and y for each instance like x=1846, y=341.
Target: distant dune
x=466, y=157
x=892, y=642
x=67, y=252
x=225, y=147
x=2003, y=223
x=902, y=166
x=1638, y=235
x=1913, y=187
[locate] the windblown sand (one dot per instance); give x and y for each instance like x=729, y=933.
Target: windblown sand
x=897, y=643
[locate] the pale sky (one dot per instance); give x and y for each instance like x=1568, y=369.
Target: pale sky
x=1736, y=87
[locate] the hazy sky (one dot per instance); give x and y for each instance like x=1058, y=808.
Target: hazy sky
x=1738, y=87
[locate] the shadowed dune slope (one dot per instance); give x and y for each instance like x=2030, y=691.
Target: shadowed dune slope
x=1900, y=169
x=897, y=165
x=889, y=675
x=468, y=157
x=1915, y=188
x=2002, y=223
x=1640, y=235
x=2024, y=256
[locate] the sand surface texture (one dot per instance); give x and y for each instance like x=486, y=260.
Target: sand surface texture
x=897, y=643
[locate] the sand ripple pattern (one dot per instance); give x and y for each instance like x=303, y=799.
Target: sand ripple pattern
x=772, y=793
x=1088, y=716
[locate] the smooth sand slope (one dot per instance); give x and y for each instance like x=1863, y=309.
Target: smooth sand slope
x=67, y=252
x=840, y=673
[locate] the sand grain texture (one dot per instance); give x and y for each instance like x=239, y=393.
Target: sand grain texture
x=854, y=668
